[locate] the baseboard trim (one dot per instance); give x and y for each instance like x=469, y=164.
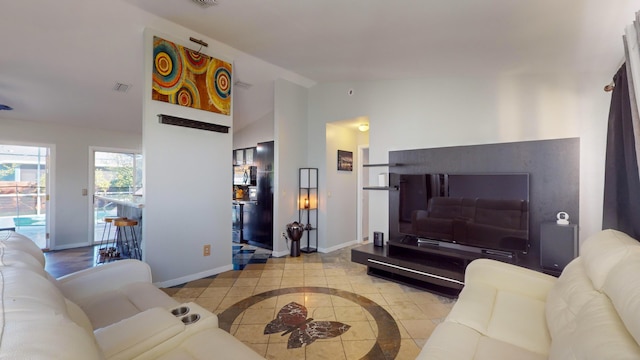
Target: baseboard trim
x=338, y=247
x=191, y=277
x=69, y=246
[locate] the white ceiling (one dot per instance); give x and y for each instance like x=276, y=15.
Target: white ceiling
x=60, y=59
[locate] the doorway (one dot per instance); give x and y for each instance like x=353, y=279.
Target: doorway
x=24, y=193
x=115, y=172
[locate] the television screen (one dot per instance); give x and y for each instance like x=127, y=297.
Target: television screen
x=489, y=211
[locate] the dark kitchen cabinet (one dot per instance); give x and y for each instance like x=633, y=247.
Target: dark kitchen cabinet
x=244, y=156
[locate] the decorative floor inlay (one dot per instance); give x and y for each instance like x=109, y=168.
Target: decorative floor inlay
x=376, y=310
x=292, y=318
x=387, y=342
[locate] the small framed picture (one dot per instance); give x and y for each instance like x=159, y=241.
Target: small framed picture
x=345, y=160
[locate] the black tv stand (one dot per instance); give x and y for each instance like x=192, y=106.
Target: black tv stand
x=424, y=263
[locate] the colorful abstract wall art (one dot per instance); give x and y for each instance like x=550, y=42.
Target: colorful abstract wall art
x=186, y=77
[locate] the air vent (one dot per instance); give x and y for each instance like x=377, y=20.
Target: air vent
x=120, y=87
x=206, y=3
x=242, y=85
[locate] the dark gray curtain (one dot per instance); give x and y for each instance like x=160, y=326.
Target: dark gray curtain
x=621, y=182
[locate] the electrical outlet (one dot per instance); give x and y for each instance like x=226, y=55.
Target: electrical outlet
x=206, y=251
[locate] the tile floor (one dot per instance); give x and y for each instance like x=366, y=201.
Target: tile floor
x=331, y=288
x=384, y=320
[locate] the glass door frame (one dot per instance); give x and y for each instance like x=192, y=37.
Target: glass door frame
x=92, y=187
x=49, y=203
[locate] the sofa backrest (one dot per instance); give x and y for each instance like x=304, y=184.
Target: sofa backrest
x=592, y=309
x=35, y=320
x=14, y=241
x=444, y=208
x=604, y=250
x=509, y=214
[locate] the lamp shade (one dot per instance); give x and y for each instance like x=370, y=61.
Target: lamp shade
x=309, y=201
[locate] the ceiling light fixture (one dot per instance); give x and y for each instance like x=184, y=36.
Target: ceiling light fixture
x=206, y=3
x=5, y=107
x=363, y=127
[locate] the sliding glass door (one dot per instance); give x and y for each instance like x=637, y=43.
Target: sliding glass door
x=114, y=173
x=23, y=191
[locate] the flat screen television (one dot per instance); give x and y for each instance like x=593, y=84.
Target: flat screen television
x=487, y=211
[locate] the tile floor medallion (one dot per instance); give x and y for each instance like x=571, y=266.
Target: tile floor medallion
x=317, y=306
x=385, y=346
x=292, y=319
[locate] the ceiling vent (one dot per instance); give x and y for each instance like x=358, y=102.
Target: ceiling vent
x=206, y=3
x=120, y=87
x=242, y=85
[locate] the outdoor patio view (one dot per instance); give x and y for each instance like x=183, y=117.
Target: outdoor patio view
x=114, y=174
x=23, y=191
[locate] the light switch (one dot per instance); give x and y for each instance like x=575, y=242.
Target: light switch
x=85, y=192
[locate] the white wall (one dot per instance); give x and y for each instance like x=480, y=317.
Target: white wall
x=187, y=179
x=291, y=151
x=454, y=110
x=339, y=209
x=259, y=131
x=70, y=214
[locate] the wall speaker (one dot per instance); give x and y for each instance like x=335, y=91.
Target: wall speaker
x=378, y=238
x=558, y=245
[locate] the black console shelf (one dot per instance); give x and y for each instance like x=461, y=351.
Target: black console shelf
x=429, y=266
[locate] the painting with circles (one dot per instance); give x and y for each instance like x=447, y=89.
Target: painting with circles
x=186, y=77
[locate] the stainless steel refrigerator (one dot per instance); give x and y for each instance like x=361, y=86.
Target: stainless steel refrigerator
x=258, y=217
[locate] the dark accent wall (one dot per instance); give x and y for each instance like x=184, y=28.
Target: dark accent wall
x=553, y=167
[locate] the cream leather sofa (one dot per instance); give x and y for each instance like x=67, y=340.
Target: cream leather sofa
x=108, y=312
x=592, y=311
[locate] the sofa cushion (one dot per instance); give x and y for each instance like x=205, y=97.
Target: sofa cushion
x=451, y=341
x=109, y=307
x=510, y=317
x=602, y=251
x=598, y=334
x=622, y=286
x=572, y=290
x=33, y=308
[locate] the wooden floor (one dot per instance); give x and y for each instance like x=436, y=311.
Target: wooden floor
x=63, y=262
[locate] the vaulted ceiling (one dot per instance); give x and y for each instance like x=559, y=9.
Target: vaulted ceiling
x=60, y=59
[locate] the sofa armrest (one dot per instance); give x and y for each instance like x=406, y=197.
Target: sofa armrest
x=508, y=277
x=152, y=333
x=107, y=277
x=133, y=336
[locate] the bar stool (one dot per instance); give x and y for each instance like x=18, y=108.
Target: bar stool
x=104, y=251
x=128, y=243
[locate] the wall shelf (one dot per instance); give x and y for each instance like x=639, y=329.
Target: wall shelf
x=381, y=165
x=308, y=206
